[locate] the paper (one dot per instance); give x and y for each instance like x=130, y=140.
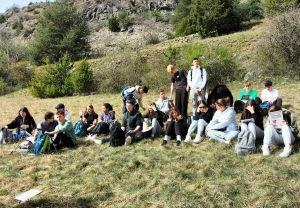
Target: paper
x=276, y=117
x=27, y=195
x=247, y=120
x=148, y=129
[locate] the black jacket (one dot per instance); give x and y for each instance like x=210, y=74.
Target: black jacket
x=18, y=121
x=159, y=115
x=220, y=91
x=205, y=116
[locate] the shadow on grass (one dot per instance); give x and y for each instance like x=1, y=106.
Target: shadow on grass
x=58, y=202
x=288, y=106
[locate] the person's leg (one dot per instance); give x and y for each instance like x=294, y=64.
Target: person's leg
x=231, y=135
x=244, y=127
x=258, y=100
x=256, y=131
x=192, y=127
x=288, y=139
x=278, y=102
x=270, y=135
x=178, y=99
x=156, y=128
x=201, y=127
x=67, y=142
x=216, y=135
x=194, y=98
x=104, y=127
x=185, y=103
x=178, y=130
x=169, y=129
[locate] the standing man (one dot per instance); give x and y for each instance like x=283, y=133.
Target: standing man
x=196, y=81
x=181, y=96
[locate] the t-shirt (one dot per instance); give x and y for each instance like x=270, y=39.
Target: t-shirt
x=252, y=94
x=180, y=79
x=67, y=129
x=90, y=118
x=269, y=95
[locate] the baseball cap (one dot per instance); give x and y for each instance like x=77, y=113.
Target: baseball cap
x=60, y=105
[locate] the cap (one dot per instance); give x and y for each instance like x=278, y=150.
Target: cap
x=60, y=105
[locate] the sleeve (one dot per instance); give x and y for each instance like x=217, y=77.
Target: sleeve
x=207, y=116
x=124, y=120
x=225, y=122
x=96, y=116
x=254, y=95
x=241, y=95
x=138, y=119
x=204, y=78
x=197, y=116
x=263, y=94
x=158, y=115
x=214, y=120
x=14, y=124
x=66, y=127
x=111, y=116
x=102, y=117
x=173, y=79
x=140, y=101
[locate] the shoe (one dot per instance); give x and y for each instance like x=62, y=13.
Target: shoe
x=164, y=142
x=265, y=150
x=152, y=137
x=128, y=140
x=92, y=137
x=227, y=141
x=88, y=137
x=178, y=143
x=197, y=139
x=98, y=141
x=188, y=138
x=286, y=152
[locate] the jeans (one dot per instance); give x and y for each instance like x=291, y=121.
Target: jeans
x=131, y=135
x=222, y=136
x=156, y=128
x=200, y=125
x=256, y=131
x=195, y=98
x=67, y=142
x=271, y=136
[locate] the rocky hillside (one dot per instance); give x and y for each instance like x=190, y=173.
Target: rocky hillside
x=148, y=22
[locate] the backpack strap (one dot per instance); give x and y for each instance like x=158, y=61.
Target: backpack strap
x=201, y=69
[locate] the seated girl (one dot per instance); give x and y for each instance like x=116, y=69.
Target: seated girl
x=223, y=126
x=254, y=112
x=153, y=120
x=284, y=134
x=175, y=127
x=24, y=122
x=89, y=118
x=202, y=117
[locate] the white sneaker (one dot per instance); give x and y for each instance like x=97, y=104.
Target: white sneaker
x=286, y=152
x=197, y=139
x=128, y=140
x=93, y=137
x=265, y=150
x=88, y=137
x=188, y=138
x=227, y=141
x=98, y=141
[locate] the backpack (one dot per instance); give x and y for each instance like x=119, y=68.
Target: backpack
x=245, y=143
x=42, y=144
x=5, y=136
x=80, y=129
x=123, y=90
x=117, y=136
x=238, y=106
x=27, y=145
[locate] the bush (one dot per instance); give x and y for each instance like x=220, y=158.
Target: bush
x=82, y=78
x=17, y=25
x=30, y=9
x=2, y=19
x=274, y=7
x=171, y=55
x=3, y=87
x=113, y=24
x=20, y=73
x=151, y=38
x=124, y=20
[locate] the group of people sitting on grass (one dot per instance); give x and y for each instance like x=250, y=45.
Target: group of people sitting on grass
x=213, y=115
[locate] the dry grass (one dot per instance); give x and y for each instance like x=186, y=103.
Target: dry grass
x=146, y=174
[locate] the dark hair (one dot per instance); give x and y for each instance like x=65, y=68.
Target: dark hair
x=60, y=112
x=275, y=108
x=202, y=102
x=25, y=110
x=144, y=88
x=48, y=115
x=246, y=114
x=131, y=101
x=195, y=59
x=223, y=101
x=268, y=83
x=161, y=90
x=109, y=106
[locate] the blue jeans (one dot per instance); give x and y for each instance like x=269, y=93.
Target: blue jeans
x=200, y=125
x=222, y=136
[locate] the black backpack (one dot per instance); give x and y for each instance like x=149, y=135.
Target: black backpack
x=117, y=136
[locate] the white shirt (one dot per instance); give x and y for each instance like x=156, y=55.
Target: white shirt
x=136, y=94
x=225, y=119
x=67, y=115
x=269, y=95
x=197, y=81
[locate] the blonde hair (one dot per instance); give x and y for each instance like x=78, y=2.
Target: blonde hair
x=223, y=102
x=247, y=84
x=170, y=68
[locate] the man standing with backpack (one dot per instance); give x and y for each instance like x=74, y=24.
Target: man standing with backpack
x=196, y=81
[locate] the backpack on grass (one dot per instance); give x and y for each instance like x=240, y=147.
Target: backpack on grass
x=42, y=144
x=80, y=129
x=245, y=143
x=117, y=136
x=5, y=136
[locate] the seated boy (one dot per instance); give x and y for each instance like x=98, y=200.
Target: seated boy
x=164, y=104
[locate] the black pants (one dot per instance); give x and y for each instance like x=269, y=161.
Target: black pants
x=65, y=140
x=278, y=102
x=181, y=101
x=174, y=128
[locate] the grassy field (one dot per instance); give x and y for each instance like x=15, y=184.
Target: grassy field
x=145, y=174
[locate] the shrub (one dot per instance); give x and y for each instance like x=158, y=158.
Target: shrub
x=156, y=14
x=17, y=25
x=20, y=73
x=54, y=81
x=30, y=9
x=3, y=87
x=274, y=7
x=172, y=55
x=82, y=78
x=151, y=38
x=2, y=18
x=113, y=24
x=124, y=20
x=35, y=12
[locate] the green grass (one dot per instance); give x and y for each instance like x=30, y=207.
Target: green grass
x=145, y=174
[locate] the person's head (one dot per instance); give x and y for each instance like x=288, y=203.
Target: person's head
x=269, y=85
x=60, y=106
x=143, y=89
x=174, y=114
x=195, y=62
x=150, y=109
x=161, y=94
x=208, y=90
x=23, y=112
x=107, y=107
x=90, y=109
x=275, y=108
x=247, y=86
x=130, y=105
x=171, y=69
x=49, y=117
x=60, y=114
x=246, y=113
x=222, y=103
x=202, y=106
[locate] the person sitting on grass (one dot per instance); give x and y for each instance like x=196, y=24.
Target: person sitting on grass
x=24, y=122
x=164, y=104
x=64, y=132
x=89, y=118
x=175, y=127
x=154, y=119
x=219, y=91
x=61, y=107
x=223, y=126
x=131, y=122
x=253, y=111
x=280, y=136
x=202, y=117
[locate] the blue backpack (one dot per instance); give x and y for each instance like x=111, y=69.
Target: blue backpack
x=79, y=129
x=123, y=90
x=42, y=144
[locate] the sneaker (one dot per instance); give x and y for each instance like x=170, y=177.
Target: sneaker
x=88, y=137
x=227, y=141
x=92, y=137
x=197, y=139
x=286, y=152
x=128, y=140
x=98, y=141
x=188, y=138
x=152, y=137
x=178, y=142
x=164, y=142
x=265, y=150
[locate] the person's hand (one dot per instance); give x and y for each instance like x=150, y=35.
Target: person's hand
x=187, y=88
x=154, y=107
x=271, y=102
x=250, y=109
x=6, y=127
x=283, y=122
x=24, y=126
x=207, y=129
x=240, y=124
x=80, y=113
x=89, y=129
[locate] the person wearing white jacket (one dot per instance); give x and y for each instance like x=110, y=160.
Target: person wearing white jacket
x=223, y=127
x=196, y=81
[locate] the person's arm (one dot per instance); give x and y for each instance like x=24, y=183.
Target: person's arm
x=124, y=120
x=241, y=95
x=227, y=118
x=275, y=97
x=14, y=124
x=172, y=88
x=263, y=96
x=52, y=132
x=204, y=78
